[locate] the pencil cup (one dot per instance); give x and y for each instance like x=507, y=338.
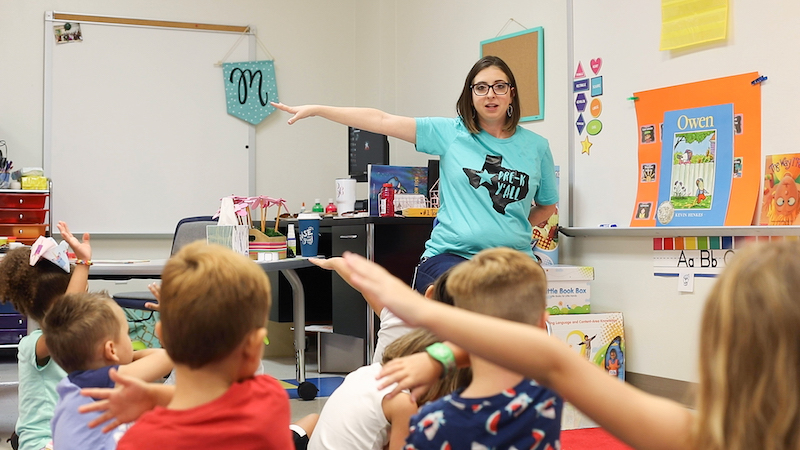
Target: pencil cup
x=308, y=225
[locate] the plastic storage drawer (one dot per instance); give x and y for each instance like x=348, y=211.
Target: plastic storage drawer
x=22, y=215
x=13, y=321
x=23, y=231
x=12, y=336
x=23, y=201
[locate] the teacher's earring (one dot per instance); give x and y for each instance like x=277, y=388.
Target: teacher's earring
x=510, y=110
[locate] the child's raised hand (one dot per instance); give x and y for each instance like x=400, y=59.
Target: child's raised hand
x=83, y=250
x=415, y=372
x=122, y=404
x=155, y=289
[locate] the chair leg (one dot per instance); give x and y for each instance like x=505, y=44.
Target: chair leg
x=14, y=441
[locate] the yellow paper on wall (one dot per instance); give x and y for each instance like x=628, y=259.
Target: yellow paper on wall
x=690, y=22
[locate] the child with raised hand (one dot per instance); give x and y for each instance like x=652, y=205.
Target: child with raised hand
x=87, y=334
x=500, y=408
x=358, y=416
x=33, y=289
x=749, y=358
x=214, y=307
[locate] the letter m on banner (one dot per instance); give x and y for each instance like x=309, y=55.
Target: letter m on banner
x=249, y=87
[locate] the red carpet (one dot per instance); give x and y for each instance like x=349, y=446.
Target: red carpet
x=590, y=439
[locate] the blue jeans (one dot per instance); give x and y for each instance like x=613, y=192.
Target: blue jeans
x=429, y=269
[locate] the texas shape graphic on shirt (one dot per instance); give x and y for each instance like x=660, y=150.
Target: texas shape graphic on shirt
x=505, y=186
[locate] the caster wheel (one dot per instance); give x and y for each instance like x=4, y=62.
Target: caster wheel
x=307, y=390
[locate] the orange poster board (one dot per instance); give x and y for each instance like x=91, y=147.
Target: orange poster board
x=651, y=106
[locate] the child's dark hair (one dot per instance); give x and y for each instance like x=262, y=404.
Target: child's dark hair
x=440, y=288
x=31, y=289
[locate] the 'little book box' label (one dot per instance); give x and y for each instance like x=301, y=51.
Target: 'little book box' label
x=568, y=289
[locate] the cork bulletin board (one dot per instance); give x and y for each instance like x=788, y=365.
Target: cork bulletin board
x=524, y=54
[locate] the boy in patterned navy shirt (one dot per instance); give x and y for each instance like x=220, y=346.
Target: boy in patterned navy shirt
x=500, y=408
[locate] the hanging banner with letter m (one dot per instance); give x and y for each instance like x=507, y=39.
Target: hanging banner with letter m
x=249, y=87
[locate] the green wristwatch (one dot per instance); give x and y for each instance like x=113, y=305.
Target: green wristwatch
x=443, y=355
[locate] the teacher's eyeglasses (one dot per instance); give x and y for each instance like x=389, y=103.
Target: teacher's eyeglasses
x=483, y=89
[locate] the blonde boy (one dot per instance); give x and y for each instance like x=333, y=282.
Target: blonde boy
x=214, y=307
x=500, y=408
x=87, y=335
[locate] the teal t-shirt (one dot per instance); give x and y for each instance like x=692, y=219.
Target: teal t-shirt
x=486, y=186
x=37, y=394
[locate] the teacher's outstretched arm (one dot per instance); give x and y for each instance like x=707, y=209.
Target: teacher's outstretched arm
x=368, y=119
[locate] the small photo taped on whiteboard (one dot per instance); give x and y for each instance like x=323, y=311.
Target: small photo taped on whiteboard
x=69, y=32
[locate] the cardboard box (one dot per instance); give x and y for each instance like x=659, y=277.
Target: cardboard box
x=568, y=290
x=263, y=247
x=604, y=337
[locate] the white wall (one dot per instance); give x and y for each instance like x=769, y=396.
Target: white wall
x=404, y=56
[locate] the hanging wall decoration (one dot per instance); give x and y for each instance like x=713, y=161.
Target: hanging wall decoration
x=524, y=53
x=249, y=87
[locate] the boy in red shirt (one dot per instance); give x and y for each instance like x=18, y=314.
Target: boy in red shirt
x=214, y=309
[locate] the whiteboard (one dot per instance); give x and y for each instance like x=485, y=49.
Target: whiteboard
x=625, y=35
x=136, y=133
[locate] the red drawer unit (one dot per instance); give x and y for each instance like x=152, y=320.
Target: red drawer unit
x=22, y=200
x=25, y=233
x=23, y=215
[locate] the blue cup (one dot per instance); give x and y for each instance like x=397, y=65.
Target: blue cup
x=308, y=234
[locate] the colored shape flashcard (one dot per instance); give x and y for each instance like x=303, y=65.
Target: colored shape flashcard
x=580, y=123
x=596, y=108
x=580, y=102
x=585, y=145
x=596, y=64
x=594, y=127
x=579, y=73
x=597, y=86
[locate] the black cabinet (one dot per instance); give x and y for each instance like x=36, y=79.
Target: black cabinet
x=349, y=315
x=396, y=243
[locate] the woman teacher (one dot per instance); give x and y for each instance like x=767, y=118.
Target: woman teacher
x=491, y=169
